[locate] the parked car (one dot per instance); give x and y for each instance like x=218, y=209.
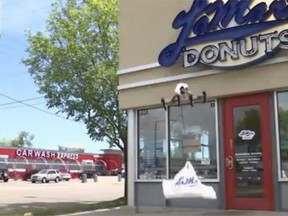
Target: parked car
x=90, y=173
x=115, y=172
x=46, y=175
x=29, y=173
x=123, y=173
x=4, y=175
x=65, y=175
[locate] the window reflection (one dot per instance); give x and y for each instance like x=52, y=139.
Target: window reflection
x=283, y=131
x=193, y=137
x=151, y=144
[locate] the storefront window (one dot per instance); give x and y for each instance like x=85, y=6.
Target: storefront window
x=193, y=137
x=151, y=144
x=283, y=132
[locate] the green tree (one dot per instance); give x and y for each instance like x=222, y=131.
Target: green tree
x=5, y=142
x=74, y=64
x=24, y=139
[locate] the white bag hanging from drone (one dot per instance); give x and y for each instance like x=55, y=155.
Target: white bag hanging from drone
x=187, y=184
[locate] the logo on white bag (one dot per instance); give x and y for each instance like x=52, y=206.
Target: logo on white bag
x=191, y=182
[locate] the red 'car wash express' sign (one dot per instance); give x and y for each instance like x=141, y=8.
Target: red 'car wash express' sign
x=45, y=154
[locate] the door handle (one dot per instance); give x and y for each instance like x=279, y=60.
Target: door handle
x=229, y=163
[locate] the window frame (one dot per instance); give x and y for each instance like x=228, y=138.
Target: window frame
x=167, y=143
x=277, y=133
x=136, y=177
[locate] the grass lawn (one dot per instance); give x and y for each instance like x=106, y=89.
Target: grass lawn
x=65, y=209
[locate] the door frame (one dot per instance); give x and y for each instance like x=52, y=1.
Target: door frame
x=232, y=202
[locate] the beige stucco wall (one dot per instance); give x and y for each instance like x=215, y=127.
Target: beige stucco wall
x=217, y=85
x=145, y=29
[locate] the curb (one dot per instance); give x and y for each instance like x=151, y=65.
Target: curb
x=89, y=212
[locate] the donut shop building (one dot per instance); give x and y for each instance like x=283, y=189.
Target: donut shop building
x=234, y=52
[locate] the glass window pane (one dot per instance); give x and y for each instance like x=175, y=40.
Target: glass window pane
x=99, y=166
x=3, y=163
x=73, y=166
x=56, y=164
x=248, y=152
x=283, y=132
x=89, y=165
x=21, y=163
x=151, y=144
x=11, y=163
x=40, y=164
x=193, y=136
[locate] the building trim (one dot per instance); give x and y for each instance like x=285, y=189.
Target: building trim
x=131, y=158
x=277, y=135
x=167, y=141
x=16, y=170
x=136, y=138
x=167, y=79
x=283, y=180
x=278, y=155
x=185, y=76
x=217, y=139
x=138, y=68
x=161, y=180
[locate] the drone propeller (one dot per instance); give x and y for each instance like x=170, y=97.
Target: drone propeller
x=204, y=96
x=178, y=100
x=163, y=103
x=191, y=99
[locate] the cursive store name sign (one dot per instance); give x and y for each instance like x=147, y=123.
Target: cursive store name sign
x=228, y=34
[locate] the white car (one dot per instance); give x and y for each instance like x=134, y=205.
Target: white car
x=66, y=176
x=46, y=175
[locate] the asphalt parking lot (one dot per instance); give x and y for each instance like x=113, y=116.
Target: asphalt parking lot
x=28, y=195
x=124, y=212
x=21, y=192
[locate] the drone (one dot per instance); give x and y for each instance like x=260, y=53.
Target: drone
x=182, y=92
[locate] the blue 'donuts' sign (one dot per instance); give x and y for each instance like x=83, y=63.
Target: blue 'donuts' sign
x=228, y=34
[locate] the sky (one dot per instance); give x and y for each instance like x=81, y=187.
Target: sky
x=50, y=131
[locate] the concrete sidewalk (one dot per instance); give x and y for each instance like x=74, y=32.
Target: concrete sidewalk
x=174, y=212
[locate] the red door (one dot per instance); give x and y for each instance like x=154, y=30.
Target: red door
x=247, y=149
